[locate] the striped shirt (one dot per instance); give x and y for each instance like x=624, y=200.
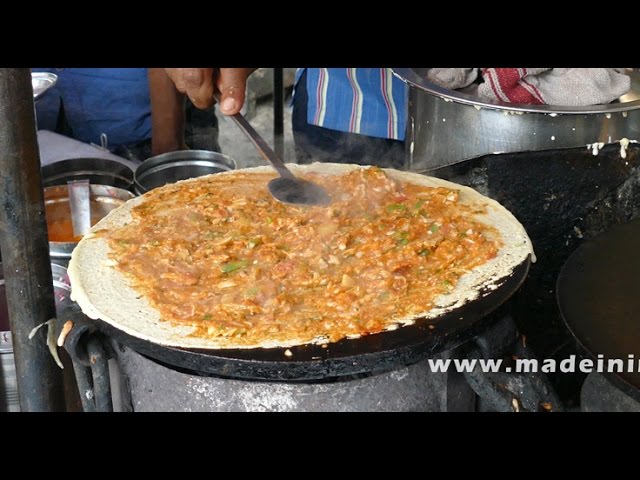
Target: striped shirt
x=368, y=101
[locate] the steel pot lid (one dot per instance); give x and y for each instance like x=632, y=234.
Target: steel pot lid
x=180, y=165
x=99, y=171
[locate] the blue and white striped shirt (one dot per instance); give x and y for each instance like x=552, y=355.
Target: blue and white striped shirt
x=368, y=101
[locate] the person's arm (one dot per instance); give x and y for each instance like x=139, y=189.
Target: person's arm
x=167, y=113
x=198, y=84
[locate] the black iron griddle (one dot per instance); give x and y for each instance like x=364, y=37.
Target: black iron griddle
x=598, y=294
x=371, y=353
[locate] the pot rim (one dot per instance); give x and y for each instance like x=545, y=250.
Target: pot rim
x=411, y=78
x=179, y=158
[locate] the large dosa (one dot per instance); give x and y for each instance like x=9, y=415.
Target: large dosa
x=105, y=293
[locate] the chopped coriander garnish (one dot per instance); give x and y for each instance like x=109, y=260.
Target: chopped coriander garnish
x=233, y=266
x=396, y=207
x=252, y=292
x=403, y=238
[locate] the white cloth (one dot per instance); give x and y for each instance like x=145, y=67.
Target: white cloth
x=54, y=147
x=551, y=86
x=581, y=86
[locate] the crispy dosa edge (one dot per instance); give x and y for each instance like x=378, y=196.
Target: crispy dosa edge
x=102, y=292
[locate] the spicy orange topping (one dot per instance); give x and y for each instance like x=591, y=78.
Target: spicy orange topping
x=222, y=255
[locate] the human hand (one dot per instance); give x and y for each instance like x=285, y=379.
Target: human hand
x=199, y=85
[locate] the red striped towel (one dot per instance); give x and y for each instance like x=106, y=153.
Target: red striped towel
x=511, y=85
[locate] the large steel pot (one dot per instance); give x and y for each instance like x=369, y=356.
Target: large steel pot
x=448, y=126
x=56, y=201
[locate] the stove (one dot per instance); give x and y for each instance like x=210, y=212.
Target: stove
x=150, y=386
x=599, y=394
x=145, y=384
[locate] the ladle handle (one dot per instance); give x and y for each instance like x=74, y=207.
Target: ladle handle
x=261, y=145
x=80, y=206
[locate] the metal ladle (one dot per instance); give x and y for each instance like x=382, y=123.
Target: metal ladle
x=80, y=205
x=287, y=188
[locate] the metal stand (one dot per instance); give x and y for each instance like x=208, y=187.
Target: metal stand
x=90, y=353
x=23, y=241
x=504, y=391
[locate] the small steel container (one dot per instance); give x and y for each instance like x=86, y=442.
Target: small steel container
x=98, y=171
x=56, y=202
x=181, y=165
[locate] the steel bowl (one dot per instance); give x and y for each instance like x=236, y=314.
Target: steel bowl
x=449, y=126
x=181, y=165
x=41, y=82
x=56, y=202
x=98, y=171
